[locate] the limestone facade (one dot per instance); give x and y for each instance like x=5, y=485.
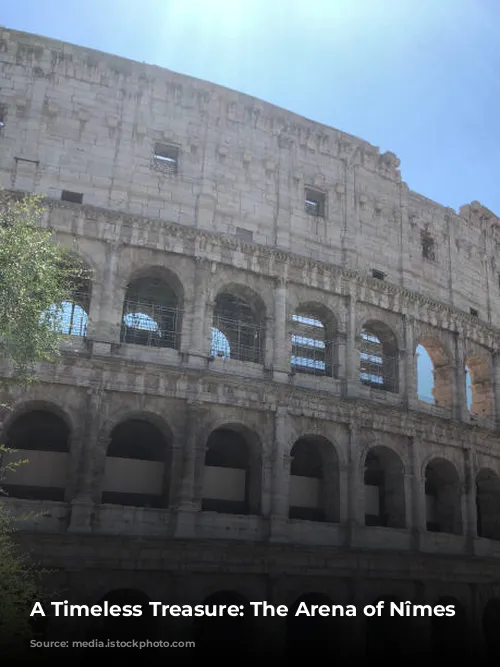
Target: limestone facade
x=216, y=212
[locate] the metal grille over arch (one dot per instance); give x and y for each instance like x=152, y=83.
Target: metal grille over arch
x=138, y=463
x=314, y=331
x=152, y=313
x=41, y=438
x=238, y=326
x=379, y=363
x=232, y=471
x=71, y=317
x=314, y=480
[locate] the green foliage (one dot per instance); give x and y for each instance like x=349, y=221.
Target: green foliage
x=36, y=277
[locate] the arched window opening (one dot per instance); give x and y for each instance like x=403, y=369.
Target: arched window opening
x=488, y=505
x=218, y=631
x=307, y=633
x=137, y=466
x=241, y=325
x=449, y=634
x=152, y=314
x=388, y=637
x=491, y=623
x=384, y=489
x=314, y=481
x=70, y=317
x=434, y=374
x=122, y=628
x=231, y=482
x=41, y=439
x=379, y=357
x=313, y=342
x=443, y=499
x=478, y=386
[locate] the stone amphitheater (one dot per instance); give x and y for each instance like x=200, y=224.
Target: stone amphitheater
x=236, y=414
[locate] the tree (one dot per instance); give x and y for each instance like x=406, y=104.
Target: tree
x=37, y=280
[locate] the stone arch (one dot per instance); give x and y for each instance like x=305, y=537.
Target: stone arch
x=314, y=344
x=304, y=633
x=384, y=486
x=449, y=633
x=435, y=373
x=71, y=317
x=217, y=626
x=153, y=308
x=388, y=637
x=443, y=497
x=238, y=324
x=314, y=480
x=138, y=463
x=232, y=476
x=379, y=362
x=491, y=624
x=140, y=627
x=488, y=504
x=478, y=386
x=41, y=437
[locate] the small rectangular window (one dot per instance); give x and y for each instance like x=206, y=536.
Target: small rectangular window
x=74, y=197
x=3, y=115
x=474, y=312
x=244, y=234
x=379, y=275
x=315, y=203
x=428, y=246
x=166, y=158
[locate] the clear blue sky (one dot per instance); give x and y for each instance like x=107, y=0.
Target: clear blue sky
x=418, y=77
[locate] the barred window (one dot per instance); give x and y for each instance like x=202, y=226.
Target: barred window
x=237, y=330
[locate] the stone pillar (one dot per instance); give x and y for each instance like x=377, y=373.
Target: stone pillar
x=418, y=523
x=82, y=504
x=410, y=366
x=460, y=410
x=281, y=364
x=496, y=388
x=469, y=501
x=281, y=478
x=196, y=343
x=189, y=501
x=352, y=354
x=356, y=510
x=107, y=328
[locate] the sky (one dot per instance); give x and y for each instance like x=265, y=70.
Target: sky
x=420, y=78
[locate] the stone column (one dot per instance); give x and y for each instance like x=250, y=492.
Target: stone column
x=356, y=511
x=410, y=366
x=352, y=355
x=281, y=364
x=496, y=388
x=188, y=502
x=460, y=410
x=417, y=498
x=281, y=478
x=196, y=343
x=107, y=329
x=470, y=514
x=82, y=505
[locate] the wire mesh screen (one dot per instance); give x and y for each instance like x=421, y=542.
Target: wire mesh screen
x=236, y=331
x=377, y=368
x=71, y=317
x=151, y=324
x=311, y=352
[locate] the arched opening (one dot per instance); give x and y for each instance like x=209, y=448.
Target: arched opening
x=434, y=374
x=124, y=634
x=220, y=631
x=137, y=466
x=379, y=365
x=314, y=341
x=384, y=489
x=70, y=317
x=152, y=313
x=443, y=498
x=449, y=634
x=232, y=472
x=238, y=327
x=388, y=638
x=41, y=439
x=491, y=625
x=307, y=633
x=478, y=387
x=314, y=480
x=488, y=504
